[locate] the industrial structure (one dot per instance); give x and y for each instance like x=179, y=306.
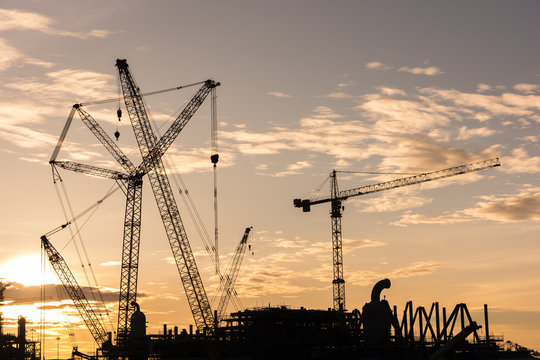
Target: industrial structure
x=377, y=330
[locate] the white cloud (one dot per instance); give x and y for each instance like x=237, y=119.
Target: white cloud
x=345, y=84
x=110, y=263
x=390, y=201
x=294, y=169
x=368, y=278
x=405, y=116
x=431, y=71
x=520, y=162
x=527, y=88
x=279, y=94
x=377, y=65
x=524, y=206
x=349, y=244
x=338, y=95
x=466, y=133
x=8, y=55
x=67, y=85
x=483, y=88
x=11, y=19
x=390, y=91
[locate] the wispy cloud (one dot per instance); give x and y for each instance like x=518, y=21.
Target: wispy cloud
x=466, y=133
x=431, y=70
x=377, y=65
x=521, y=162
x=293, y=169
x=279, y=94
x=22, y=20
x=391, y=91
x=338, y=95
x=523, y=206
x=527, y=88
x=368, y=278
x=351, y=244
x=10, y=55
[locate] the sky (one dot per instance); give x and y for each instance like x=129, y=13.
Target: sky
x=367, y=87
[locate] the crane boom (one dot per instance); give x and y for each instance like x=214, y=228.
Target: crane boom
x=102, y=136
x=411, y=180
x=75, y=293
x=336, y=198
x=176, y=127
x=91, y=170
x=181, y=249
x=232, y=274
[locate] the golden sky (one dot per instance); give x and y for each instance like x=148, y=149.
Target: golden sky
x=307, y=87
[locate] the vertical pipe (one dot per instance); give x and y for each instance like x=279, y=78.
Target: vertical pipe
x=405, y=322
x=486, y=322
x=164, y=331
x=462, y=314
x=437, y=320
x=445, y=335
x=411, y=321
x=421, y=324
x=190, y=329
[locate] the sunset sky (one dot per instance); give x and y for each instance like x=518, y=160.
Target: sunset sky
x=307, y=87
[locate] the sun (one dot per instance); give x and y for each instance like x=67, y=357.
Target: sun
x=26, y=270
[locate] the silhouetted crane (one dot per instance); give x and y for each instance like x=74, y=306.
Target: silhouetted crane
x=229, y=279
x=152, y=150
x=336, y=210
x=75, y=292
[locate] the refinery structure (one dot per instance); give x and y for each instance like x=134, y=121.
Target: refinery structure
x=377, y=330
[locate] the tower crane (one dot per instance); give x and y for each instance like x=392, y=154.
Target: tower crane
x=152, y=150
x=75, y=292
x=229, y=279
x=337, y=197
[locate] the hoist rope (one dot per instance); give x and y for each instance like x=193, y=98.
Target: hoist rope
x=77, y=234
x=214, y=157
x=42, y=310
x=104, y=101
x=373, y=173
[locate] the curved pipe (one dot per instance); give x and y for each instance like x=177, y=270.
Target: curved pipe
x=137, y=307
x=380, y=286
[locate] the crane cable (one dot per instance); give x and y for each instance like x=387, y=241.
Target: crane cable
x=214, y=158
x=57, y=179
x=185, y=195
x=211, y=248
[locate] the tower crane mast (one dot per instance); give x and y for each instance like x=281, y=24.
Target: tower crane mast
x=337, y=197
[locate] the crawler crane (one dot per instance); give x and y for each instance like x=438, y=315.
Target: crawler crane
x=337, y=197
x=152, y=150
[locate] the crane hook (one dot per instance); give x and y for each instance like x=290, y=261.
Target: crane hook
x=117, y=134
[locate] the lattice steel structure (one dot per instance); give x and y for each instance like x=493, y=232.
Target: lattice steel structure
x=131, y=182
x=74, y=291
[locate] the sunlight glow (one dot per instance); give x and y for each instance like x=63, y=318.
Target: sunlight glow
x=26, y=270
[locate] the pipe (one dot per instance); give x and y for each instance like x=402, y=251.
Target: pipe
x=378, y=288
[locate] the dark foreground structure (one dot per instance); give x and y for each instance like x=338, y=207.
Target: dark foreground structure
x=375, y=332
